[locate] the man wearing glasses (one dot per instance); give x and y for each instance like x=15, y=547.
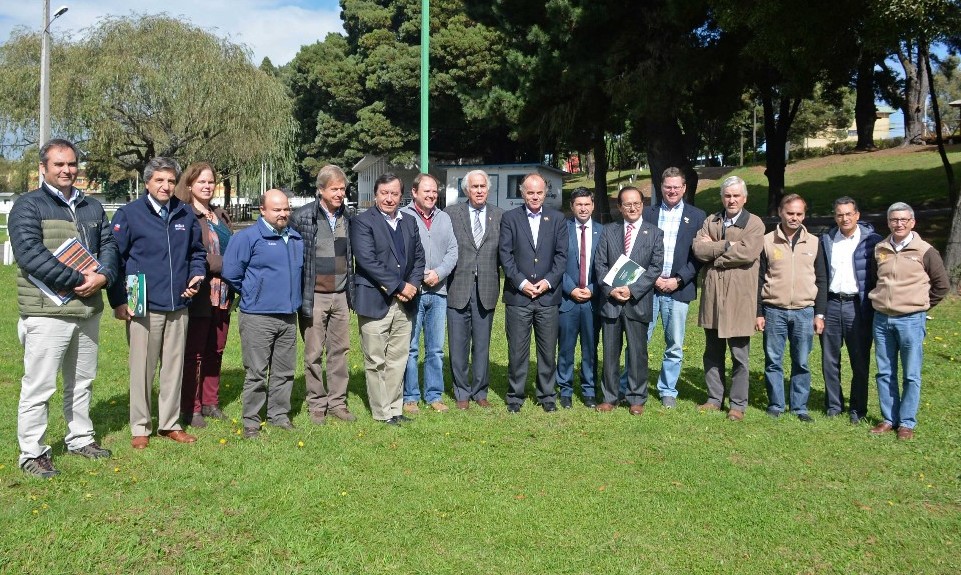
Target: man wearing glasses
x=911, y=280
x=849, y=258
x=628, y=309
x=729, y=244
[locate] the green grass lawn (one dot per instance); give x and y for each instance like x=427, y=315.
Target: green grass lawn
x=486, y=492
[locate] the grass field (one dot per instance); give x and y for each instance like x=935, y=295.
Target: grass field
x=486, y=492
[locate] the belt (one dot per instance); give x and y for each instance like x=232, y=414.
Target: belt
x=842, y=296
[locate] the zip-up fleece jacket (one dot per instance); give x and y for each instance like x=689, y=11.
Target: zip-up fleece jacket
x=265, y=270
x=39, y=223
x=865, y=271
x=792, y=277
x=909, y=281
x=167, y=253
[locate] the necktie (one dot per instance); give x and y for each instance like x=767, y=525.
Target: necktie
x=627, y=239
x=163, y=213
x=583, y=278
x=478, y=230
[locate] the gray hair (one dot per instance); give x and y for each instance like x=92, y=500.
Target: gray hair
x=330, y=173
x=464, y=183
x=734, y=181
x=900, y=207
x=161, y=164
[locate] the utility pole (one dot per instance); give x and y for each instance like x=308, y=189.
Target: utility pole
x=424, y=78
x=45, y=70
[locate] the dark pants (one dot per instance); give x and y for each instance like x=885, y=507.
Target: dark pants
x=269, y=347
x=714, y=351
x=203, y=354
x=846, y=325
x=519, y=320
x=614, y=330
x=578, y=321
x=469, y=336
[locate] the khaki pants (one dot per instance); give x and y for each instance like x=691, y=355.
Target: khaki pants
x=160, y=336
x=386, y=344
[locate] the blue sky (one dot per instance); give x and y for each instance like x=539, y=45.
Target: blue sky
x=273, y=28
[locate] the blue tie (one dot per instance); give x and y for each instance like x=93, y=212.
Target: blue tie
x=163, y=213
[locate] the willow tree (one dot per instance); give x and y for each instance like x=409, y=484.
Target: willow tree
x=138, y=87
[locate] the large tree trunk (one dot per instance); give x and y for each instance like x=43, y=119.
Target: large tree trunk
x=776, y=129
x=948, y=170
x=915, y=92
x=665, y=149
x=602, y=203
x=865, y=112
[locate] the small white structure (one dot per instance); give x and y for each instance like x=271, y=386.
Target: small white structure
x=369, y=168
x=505, y=190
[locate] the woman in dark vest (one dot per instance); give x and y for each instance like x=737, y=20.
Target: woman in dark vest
x=210, y=309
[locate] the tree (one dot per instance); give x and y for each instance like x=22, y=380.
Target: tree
x=146, y=86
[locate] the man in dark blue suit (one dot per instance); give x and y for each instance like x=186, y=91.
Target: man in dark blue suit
x=389, y=265
x=577, y=313
x=628, y=309
x=533, y=251
x=676, y=287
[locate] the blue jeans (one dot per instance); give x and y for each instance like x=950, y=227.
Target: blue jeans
x=579, y=320
x=674, y=320
x=902, y=336
x=432, y=320
x=794, y=326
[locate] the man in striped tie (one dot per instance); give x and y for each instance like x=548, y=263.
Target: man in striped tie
x=627, y=309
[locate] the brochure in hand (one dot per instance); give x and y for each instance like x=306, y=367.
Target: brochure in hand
x=625, y=271
x=137, y=294
x=70, y=253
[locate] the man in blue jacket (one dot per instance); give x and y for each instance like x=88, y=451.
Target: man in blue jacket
x=389, y=266
x=264, y=264
x=852, y=273
x=158, y=236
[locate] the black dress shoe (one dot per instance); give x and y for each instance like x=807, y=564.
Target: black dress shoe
x=395, y=421
x=513, y=408
x=590, y=402
x=549, y=407
x=402, y=418
x=566, y=403
x=805, y=418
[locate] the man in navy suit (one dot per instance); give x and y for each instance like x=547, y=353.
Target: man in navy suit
x=533, y=251
x=389, y=265
x=627, y=310
x=576, y=314
x=676, y=287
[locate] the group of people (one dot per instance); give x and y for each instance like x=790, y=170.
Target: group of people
x=419, y=271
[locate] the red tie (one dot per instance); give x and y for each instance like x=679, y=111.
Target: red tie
x=583, y=256
x=627, y=239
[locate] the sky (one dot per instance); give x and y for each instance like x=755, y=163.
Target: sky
x=273, y=28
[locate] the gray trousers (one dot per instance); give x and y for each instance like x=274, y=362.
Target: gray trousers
x=269, y=345
x=714, y=350
x=469, y=335
x=328, y=331
x=519, y=319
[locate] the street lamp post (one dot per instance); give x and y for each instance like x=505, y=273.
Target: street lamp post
x=45, y=70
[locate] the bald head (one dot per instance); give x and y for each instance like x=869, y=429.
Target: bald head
x=275, y=208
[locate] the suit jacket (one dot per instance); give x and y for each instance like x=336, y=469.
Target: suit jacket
x=379, y=271
x=474, y=260
x=522, y=261
x=572, y=271
x=648, y=251
x=685, y=266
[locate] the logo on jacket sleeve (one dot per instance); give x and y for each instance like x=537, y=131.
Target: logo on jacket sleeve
x=116, y=227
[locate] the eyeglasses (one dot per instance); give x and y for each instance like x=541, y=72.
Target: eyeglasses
x=632, y=205
x=899, y=220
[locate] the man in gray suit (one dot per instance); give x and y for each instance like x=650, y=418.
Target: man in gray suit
x=533, y=250
x=472, y=289
x=628, y=309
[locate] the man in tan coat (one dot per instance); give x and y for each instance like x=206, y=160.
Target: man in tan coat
x=729, y=244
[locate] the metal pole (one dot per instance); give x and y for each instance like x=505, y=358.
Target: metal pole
x=424, y=75
x=45, y=70
x=45, y=75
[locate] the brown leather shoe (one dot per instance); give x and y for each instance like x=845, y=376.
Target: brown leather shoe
x=484, y=403
x=439, y=406
x=637, y=409
x=882, y=427
x=177, y=435
x=463, y=404
x=708, y=406
x=905, y=433
x=605, y=407
x=140, y=442
x=411, y=407
x=735, y=415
